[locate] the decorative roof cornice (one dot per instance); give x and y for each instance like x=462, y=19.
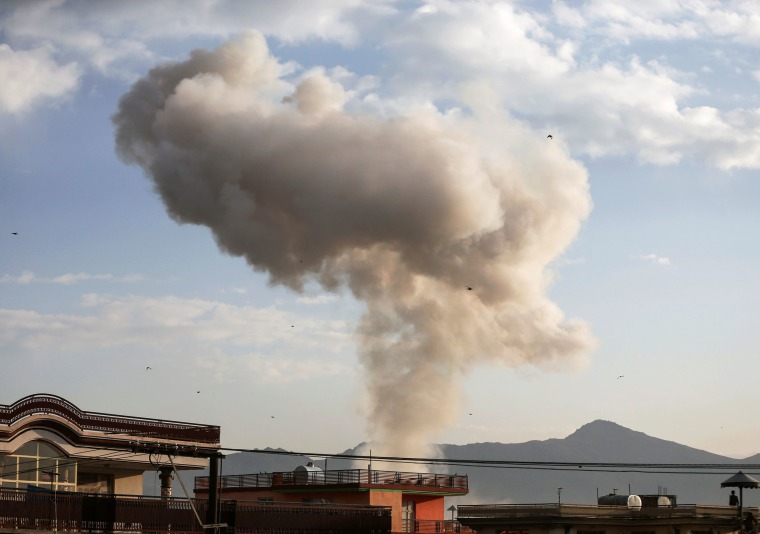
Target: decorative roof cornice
x=138, y=428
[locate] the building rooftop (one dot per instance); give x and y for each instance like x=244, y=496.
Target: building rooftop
x=139, y=427
x=543, y=514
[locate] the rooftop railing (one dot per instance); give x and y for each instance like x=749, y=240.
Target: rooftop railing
x=338, y=477
x=509, y=511
x=80, y=512
x=426, y=526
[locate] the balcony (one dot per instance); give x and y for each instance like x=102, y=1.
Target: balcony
x=78, y=512
x=434, y=483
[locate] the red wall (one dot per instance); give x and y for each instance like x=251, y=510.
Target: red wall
x=427, y=507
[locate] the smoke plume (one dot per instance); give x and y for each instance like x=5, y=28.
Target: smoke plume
x=441, y=224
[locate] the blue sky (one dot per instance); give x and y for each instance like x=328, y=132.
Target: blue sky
x=655, y=110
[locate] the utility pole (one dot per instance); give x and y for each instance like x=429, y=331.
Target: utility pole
x=213, y=455
x=54, y=486
x=212, y=515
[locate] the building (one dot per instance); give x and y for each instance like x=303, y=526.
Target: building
x=416, y=499
x=47, y=442
x=606, y=519
x=62, y=468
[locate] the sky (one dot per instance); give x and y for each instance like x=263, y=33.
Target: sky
x=318, y=223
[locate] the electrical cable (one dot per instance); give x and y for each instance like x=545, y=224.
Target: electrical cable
x=604, y=467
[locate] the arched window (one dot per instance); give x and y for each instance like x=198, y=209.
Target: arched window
x=38, y=465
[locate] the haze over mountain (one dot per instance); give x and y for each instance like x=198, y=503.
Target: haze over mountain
x=598, y=441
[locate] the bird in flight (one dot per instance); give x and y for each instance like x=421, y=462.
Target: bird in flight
x=550, y=136
x=14, y=233
x=621, y=376
x=469, y=288
x=272, y=416
x=148, y=368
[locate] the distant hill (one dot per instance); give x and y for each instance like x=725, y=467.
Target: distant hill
x=599, y=441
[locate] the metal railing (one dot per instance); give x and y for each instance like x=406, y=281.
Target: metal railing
x=336, y=477
x=424, y=526
x=107, y=513
x=591, y=510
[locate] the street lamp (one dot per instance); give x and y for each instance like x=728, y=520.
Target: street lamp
x=452, y=509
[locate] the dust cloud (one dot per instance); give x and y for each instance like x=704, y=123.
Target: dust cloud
x=442, y=224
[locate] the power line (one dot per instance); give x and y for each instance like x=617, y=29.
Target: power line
x=598, y=467
x=578, y=467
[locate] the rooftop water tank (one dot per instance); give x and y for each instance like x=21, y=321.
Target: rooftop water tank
x=613, y=499
x=634, y=502
x=308, y=474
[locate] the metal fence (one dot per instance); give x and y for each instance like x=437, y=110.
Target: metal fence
x=592, y=510
x=335, y=477
x=431, y=526
x=108, y=513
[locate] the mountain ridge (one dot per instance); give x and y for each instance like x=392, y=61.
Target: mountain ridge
x=599, y=441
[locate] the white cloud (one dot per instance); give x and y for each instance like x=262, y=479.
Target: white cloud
x=28, y=277
x=656, y=260
x=625, y=21
x=226, y=368
x=317, y=299
x=182, y=326
x=599, y=107
x=661, y=20
x=572, y=69
x=105, y=31
x=33, y=76
x=426, y=9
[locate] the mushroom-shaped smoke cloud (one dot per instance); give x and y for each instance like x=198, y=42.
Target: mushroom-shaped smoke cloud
x=406, y=211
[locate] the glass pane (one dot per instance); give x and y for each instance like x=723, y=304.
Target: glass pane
x=48, y=451
x=66, y=472
x=25, y=464
x=27, y=469
x=47, y=471
x=8, y=467
x=30, y=449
